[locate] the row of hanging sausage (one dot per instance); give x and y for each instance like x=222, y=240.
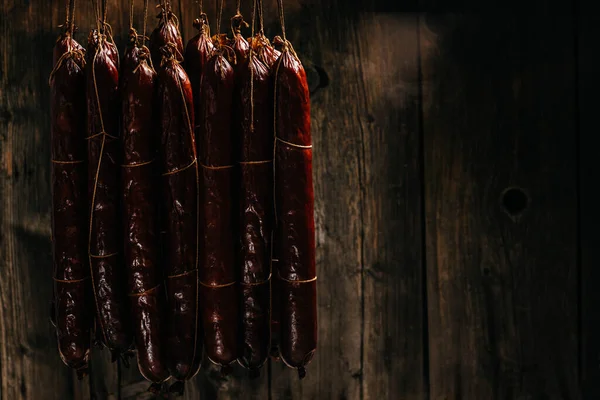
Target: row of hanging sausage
x=182, y=199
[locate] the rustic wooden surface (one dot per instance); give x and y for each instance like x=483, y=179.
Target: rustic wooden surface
x=501, y=205
x=455, y=204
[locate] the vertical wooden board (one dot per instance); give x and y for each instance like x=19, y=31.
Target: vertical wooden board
x=502, y=266
x=588, y=86
x=322, y=36
x=387, y=58
x=29, y=363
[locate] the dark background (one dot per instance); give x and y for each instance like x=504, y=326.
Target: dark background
x=455, y=165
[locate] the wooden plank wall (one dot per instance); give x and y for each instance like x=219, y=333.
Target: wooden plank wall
x=455, y=203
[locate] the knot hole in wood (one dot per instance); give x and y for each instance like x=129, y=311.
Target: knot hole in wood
x=514, y=201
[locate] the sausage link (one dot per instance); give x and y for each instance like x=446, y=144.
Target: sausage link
x=294, y=205
x=218, y=275
x=269, y=56
x=254, y=128
x=72, y=298
x=104, y=246
x=239, y=45
x=197, y=53
x=140, y=212
x=167, y=31
x=181, y=191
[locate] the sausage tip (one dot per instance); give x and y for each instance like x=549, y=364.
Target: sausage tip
x=301, y=372
x=155, y=388
x=177, y=388
x=82, y=373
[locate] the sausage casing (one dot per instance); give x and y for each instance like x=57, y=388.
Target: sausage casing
x=294, y=205
x=104, y=241
x=72, y=297
x=253, y=105
x=180, y=176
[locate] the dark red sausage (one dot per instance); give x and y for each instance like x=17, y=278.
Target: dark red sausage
x=254, y=102
x=262, y=47
x=239, y=45
x=217, y=274
x=294, y=205
x=269, y=56
x=197, y=53
x=104, y=242
x=139, y=181
x=72, y=300
x=181, y=193
x=167, y=31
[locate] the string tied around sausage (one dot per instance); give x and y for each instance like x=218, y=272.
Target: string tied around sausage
x=216, y=167
x=166, y=13
x=144, y=58
x=140, y=164
x=299, y=146
x=201, y=23
x=181, y=169
x=217, y=286
x=101, y=133
x=299, y=281
x=71, y=280
x=237, y=22
x=67, y=161
x=182, y=274
x=78, y=55
x=285, y=45
x=145, y=292
x=262, y=282
x=170, y=53
x=222, y=48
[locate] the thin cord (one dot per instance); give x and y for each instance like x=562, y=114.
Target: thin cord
x=281, y=18
x=250, y=64
x=67, y=13
x=97, y=13
x=70, y=17
x=104, y=12
x=237, y=6
x=200, y=6
x=260, y=17
x=219, y=15
x=72, y=27
x=145, y=21
x=130, y=14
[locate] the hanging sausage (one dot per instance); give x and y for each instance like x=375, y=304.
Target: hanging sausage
x=72, y=297
x=181, y=203
x=294, y=210
x=140, y=207
x=104, y=242
x=215, y=151
x=253, y=118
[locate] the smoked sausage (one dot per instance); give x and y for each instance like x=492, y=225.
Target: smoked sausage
x=181, y=201
x=215, y=149
x=104, y=242
x=72, y=297
x=140, y=210
x=294, y=212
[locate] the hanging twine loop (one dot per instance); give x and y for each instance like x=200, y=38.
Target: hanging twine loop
x=237, y=22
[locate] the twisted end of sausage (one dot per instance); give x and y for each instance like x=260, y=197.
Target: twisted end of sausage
x=82, y=372
x=177, y=388
x=155, y=388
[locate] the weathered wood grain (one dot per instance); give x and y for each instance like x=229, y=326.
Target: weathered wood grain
x=499, y=113
x=588, y=85
x=388, y=110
